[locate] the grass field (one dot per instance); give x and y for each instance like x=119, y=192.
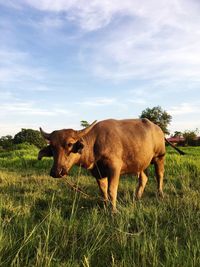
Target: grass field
x=44, y=223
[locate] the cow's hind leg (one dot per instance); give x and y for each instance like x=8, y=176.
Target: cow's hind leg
x=141, y=185
x=159, y=169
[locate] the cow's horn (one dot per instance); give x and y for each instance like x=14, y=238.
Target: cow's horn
x=45, y=135
x=86, y=130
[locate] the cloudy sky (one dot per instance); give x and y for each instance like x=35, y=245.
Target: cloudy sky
x=65, y=61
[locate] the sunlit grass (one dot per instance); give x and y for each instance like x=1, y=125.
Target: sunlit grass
x=45, y=223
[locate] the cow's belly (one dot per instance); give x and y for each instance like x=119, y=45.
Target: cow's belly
x=128, y=165
x=135, y=165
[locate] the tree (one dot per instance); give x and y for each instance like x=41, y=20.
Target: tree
x=190, y=137
x=177, y=134
x=6, y=142
x=30, y=136
x=84, y=124
x=158, y=116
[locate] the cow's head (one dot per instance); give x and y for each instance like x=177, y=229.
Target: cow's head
x=65, y=146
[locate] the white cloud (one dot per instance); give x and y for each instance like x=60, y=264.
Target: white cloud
x=12, y=106
x=18, y=72
x=186, y=124
x=29, y=108
x=47, y=24
x=127, y=55
x=96, y=14
x=149, y=39
x=40, y=88
x=98, y=101
x=51, y=22
x=11, y=3
x=159, y=42
x=6, y=95
x=8, y=56
x=17, y=66
x=185, y=108
x=138, y=101
x=89, y=15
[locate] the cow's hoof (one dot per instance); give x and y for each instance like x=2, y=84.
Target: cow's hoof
x=160, y=194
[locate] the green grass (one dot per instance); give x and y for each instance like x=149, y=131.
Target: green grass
x=44, y=223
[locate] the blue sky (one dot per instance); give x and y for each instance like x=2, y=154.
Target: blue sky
x=66, y=61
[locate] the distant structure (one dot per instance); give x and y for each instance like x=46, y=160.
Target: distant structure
x=180, y=141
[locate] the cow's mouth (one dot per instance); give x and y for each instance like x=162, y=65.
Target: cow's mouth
x=63, y=172
x=58, y=173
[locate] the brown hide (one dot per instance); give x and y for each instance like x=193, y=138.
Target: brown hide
x=110, y=148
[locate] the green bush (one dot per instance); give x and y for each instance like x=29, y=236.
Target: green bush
x=30, y=136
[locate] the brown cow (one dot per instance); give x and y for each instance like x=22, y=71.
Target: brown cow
x=108, y=149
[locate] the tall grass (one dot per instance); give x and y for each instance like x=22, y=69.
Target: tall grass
x=44, y=223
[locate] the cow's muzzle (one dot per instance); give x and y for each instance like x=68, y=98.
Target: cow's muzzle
x=58, y=173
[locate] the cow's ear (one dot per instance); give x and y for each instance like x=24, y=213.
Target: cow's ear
x=77, y=147
x=45, y=152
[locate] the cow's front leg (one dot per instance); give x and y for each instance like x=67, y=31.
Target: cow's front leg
x=113, y=182
x=103, y=186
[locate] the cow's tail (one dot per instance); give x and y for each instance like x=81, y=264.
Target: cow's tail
x=177, y=149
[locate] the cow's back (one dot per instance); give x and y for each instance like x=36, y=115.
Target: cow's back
x=133, y=142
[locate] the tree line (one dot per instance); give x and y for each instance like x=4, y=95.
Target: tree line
x=155, y=114
x=30, y=136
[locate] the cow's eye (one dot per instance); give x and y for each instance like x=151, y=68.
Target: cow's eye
x=70, y=145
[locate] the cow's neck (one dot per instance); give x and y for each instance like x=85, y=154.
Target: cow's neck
x=87, y=156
